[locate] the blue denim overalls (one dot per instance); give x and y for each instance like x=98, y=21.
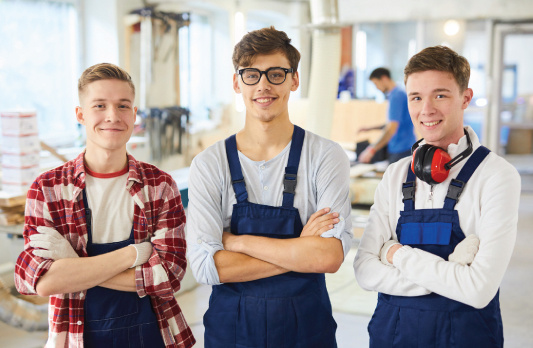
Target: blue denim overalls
x=117, y=319
x=290, y=310
x=433, y=320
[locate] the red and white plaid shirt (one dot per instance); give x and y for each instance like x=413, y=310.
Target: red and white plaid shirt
x=55, y=200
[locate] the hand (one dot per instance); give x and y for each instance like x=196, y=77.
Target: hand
x=229, y=241
x=319, y=223
x=367, y=154
x=465, y=251
x=144, y=251
x=384, y=253
x=53, y=245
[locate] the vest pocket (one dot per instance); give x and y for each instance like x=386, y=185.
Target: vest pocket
x=437, y=233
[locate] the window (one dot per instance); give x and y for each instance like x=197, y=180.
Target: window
x=38, y=64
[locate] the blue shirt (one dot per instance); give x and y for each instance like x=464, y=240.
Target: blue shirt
x=398, y=111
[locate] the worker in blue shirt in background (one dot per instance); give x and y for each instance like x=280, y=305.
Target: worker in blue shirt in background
x=398, y=133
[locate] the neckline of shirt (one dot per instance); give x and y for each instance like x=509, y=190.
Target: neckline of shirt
x=106, y=175
x=279, y=155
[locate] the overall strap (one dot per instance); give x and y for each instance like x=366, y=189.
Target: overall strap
x=237, y=179
x=291, y=171
x=457, y=185
x=88, y=217
x=408, y=190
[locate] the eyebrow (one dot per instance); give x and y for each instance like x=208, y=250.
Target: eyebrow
x=103, y=99
x=436, y=90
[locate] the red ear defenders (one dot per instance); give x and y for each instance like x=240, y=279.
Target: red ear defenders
x=432, y=163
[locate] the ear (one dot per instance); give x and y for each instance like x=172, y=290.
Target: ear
x=468, y=94
x=79, y=115
x=236, y=86
x=295, y=81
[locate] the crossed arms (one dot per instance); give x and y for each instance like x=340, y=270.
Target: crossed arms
x=488, y=209
x=216, y=256
x=63, y=272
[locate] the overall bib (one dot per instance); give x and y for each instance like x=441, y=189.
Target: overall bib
x=433, y=320
x=117, y=319
x=290, y=310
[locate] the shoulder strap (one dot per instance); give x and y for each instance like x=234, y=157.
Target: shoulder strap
x=408, y=190
x=237, y=179
x=457, y=185
x=291, y=171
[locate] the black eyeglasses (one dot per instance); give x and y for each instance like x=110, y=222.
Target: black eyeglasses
x=252, y=76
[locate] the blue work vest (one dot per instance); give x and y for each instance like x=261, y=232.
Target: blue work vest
x=290, y=310
x=434, y=320
x=113, y=318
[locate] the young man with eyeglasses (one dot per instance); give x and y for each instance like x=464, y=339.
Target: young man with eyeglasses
x=269, y=213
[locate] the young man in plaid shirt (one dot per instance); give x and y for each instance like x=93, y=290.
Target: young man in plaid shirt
x=104, y=233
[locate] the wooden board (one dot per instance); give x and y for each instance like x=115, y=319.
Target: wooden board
x=10, y=199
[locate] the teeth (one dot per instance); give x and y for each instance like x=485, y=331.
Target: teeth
x=264, y=100
x=429, y=124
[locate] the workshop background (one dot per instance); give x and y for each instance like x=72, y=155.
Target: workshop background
x=179, y=55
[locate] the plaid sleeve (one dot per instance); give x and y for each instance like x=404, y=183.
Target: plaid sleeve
x=29, y=268
x=162, y=274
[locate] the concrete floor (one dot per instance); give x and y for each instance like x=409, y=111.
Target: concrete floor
x=516, y=302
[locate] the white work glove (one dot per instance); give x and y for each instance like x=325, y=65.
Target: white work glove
x=144, y=251
x=465, y=251
x=385, y=249
x=53, y=245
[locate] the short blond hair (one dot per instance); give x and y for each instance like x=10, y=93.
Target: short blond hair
x=103, y=71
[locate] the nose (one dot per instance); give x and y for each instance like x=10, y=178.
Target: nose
x=427, y=107
x=263, y=83
x=112, y=115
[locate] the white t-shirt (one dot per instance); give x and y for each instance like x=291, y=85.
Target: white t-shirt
x=111, y=206
x=487, y=207
x=322, y=181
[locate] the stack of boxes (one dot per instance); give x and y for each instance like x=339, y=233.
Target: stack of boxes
x=20, y=150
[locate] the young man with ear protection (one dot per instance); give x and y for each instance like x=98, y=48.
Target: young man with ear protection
x=443, y=225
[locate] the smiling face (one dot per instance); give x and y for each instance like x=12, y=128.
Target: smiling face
x=265, y=101
x=108, y=114
x=436, y=105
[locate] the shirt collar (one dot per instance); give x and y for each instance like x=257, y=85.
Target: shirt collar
x=133, y=172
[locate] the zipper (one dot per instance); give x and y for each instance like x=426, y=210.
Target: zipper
x=431, y=194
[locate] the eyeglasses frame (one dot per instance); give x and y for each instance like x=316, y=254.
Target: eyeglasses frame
x=265, y=72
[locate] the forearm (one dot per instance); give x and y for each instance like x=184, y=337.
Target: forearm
x=388, y=132
x=306, y=254
x=77, y=274
x=237, y=267
x=474, y=285
x=124, y=281
x=373, y=275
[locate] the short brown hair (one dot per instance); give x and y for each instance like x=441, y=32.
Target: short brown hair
x=440, y=58
x=264, y=41
x=103, y=71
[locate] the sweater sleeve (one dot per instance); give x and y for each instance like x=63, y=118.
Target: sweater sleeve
x=370, y=272
x=497, y=189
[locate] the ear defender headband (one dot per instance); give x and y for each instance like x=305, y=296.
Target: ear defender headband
x=432, y=163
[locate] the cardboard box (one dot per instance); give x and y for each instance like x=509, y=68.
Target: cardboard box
x=21, y=160
x=19, y=123
x=23, y=144
x=19, y=175
x=520, y=141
